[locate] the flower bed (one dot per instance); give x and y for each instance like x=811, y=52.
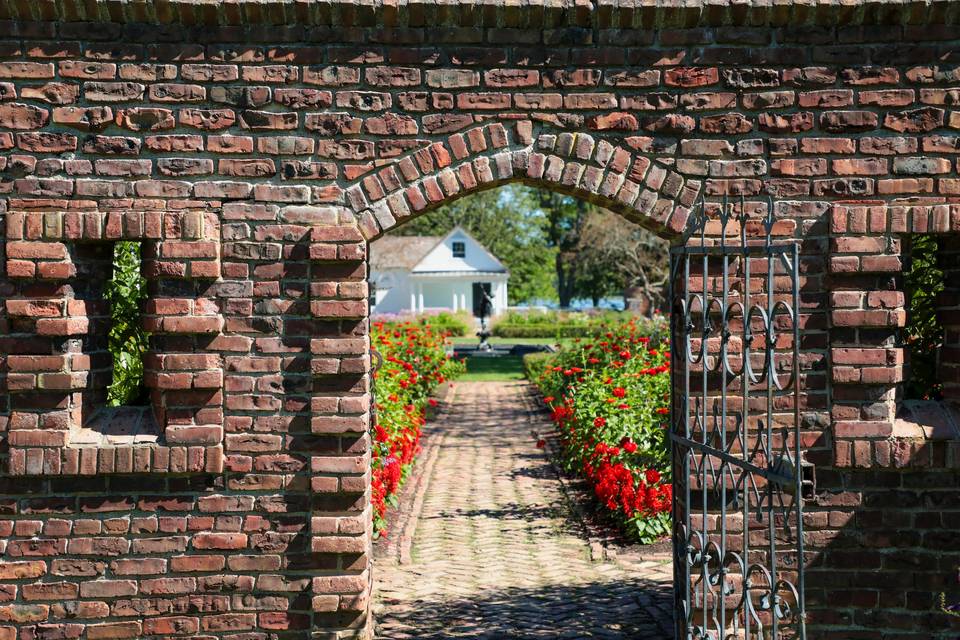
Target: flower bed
x=609, y=398
x=415, y=362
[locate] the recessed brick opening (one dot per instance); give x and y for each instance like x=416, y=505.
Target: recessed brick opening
x=922, y=337
x=61, y=419
x=931, y=337
x=948, y=316
x=114, y=414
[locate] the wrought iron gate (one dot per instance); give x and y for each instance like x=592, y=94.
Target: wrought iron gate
x=739, y=479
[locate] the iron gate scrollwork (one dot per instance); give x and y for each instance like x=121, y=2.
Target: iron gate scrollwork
x=735, y=430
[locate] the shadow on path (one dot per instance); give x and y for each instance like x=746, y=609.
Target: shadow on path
x=498, y=551
x=619, y=610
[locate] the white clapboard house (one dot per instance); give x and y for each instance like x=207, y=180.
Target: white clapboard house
x=429, y=273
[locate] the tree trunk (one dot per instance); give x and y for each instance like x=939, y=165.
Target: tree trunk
x=565, y=282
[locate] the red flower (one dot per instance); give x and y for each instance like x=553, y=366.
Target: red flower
x=620, y=392
x=630, y=446
x=652, y=476
x=541, y=443
x=433, y=402
x=663, y=411
x=599, y=421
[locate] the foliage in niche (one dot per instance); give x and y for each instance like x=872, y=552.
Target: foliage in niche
x=923, y=334
x=127, y=341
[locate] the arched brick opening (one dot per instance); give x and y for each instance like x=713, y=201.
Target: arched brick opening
x=642, y=187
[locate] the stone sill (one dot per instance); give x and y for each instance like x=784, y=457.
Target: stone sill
x=118, y=427
x=926, y=420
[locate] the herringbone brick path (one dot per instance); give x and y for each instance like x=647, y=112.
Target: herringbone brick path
x=497, y=553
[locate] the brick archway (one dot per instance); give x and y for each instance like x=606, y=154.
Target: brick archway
x=644, y=187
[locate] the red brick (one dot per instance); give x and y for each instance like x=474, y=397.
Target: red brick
x=115, y=131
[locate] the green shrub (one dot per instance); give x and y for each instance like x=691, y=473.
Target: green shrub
x=558, y=325
x=535, y=363
x=540, y=331
x=454, y=324
x=609, y=398
x=923, y=333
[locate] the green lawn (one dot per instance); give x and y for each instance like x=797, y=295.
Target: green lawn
x=489, y=368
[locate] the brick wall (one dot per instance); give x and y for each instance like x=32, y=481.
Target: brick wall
x=254, y=151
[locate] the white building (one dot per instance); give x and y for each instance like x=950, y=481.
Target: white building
x=424, y=273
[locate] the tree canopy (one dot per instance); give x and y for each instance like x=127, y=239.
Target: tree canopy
x=557, y=247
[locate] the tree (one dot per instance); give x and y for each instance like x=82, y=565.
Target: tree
x=599, y=273
x=508, y=223
x=556, y=246
x=565, y=217
x=613, y=254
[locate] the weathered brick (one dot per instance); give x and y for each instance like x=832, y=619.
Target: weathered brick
x=255, y=151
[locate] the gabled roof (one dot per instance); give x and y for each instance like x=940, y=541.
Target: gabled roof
x=400, y=252
x=406, y=252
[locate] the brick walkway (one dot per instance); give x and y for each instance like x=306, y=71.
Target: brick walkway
x=497, y=553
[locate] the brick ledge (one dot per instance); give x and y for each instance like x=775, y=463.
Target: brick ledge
x=137, y=458
x=927, y=420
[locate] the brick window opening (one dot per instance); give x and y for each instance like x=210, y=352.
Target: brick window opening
x=929, y=402
x=117, y=407
x=80, y=407
x=127, y=339
x=923, y=336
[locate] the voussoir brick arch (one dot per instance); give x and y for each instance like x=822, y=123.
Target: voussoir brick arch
x=642, y=187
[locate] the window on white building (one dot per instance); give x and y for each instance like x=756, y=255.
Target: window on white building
x=459, y=249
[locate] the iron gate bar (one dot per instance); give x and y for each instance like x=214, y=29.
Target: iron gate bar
x=717, y=453
x=782, y=473
x=748, y=250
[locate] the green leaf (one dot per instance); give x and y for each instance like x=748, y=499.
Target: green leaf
x=127, y=341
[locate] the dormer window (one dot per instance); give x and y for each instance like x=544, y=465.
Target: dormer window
x=459, y=249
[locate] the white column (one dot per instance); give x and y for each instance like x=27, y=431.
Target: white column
x=413, y=302
x=463, y=301
x=454, y=301
x=420, y=296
